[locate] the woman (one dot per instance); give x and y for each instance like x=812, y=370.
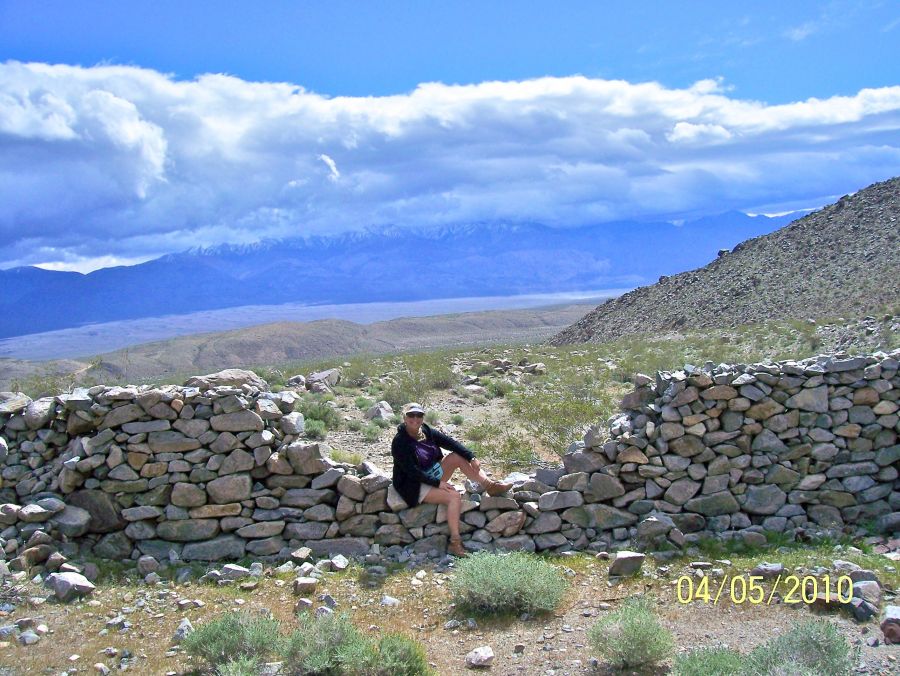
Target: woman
x=422, y=473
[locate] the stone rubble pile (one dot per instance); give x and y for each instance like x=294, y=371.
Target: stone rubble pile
x=219, y=469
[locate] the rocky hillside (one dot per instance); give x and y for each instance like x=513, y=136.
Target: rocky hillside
x=841, y=260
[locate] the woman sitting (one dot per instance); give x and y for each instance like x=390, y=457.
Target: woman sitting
x=422, y=473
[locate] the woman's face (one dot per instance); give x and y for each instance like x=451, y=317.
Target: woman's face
x=413, y=422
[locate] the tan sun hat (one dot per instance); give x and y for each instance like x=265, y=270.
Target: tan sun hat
x=413, y=407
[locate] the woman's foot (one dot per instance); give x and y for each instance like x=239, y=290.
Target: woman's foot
x=456, y=548
x=493, y=488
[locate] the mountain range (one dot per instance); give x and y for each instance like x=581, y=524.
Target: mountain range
x=388, y=264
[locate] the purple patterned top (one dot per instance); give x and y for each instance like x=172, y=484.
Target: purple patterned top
x=427, y=454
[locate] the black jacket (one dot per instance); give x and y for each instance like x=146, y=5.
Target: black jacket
x=408, y=477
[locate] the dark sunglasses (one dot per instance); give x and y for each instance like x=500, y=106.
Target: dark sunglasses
x=415, y=415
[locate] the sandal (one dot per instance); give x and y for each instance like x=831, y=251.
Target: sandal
x=456, y=548
x=493, y=488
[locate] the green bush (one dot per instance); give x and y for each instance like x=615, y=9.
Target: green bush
x=318, y=409
x=457, y=419
x=363, y=403
x=315, y=429
x=516, y=582
x=401, y=656
x=813, y=647
x=348, y=457
x=432, y=418
x=328, y=645
x=354, y=425
x=631, y=636
x=242, y=666
x=371, y=433
x=482, y=431
x=233, y=636
x=382, y=423
x=499, y=388
x=709, y=662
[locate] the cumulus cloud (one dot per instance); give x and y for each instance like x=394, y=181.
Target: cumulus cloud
x=116, y=163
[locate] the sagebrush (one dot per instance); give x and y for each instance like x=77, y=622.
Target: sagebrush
x=507, y=583
x=632, y=636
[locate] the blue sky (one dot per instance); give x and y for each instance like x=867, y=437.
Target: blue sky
x=770, y=51
x=129, y=130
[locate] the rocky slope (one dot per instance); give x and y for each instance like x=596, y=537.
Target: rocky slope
x=841, y=260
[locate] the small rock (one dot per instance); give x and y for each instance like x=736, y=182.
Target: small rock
x=67, y=586
x=768, y=570
x=184, y=628
x=480, y=657
x=389, y=601
x=305, y=585
x=626, y=563
x=28, y=638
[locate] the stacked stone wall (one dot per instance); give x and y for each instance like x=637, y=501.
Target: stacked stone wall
x=210, y=471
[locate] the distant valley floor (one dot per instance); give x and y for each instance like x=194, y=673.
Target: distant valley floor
x=276, y=343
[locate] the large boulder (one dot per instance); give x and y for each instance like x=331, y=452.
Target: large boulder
x=106, y=515
x=329, y=378
x=228, y=378
x=222, y=547
x=231, y=488
x=13, y=402
x=72, y=521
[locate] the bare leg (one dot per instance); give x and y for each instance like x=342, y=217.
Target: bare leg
x=472, y=469
x=450, y=497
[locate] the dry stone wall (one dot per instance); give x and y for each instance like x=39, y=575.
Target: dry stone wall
x=219, y=469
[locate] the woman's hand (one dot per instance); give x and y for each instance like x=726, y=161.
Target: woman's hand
x=445, y=486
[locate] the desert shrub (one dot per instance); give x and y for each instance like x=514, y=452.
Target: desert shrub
x=432, y=418
x=348, y=457
x=396, y=419
x=354, y=425
x=401, y=656
x=363, y=403
x=317, y=409
x=329, y=644
x=433, y=368
x=631, y=636
x=456, y=419
x=510, y=451
x=709, y=662
x=233, y=636
x=499, y=388
x=315, y=429
x=382, y=423
x=479, y=400
x=812, y=647
x=558, y=410
x=242, y=666
x=371, y=433
x=407, y=389
x=482, y=431
x=499, y=583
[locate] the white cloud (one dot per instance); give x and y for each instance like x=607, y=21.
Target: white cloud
x=332, y=167
x=801, y=32
x=128, y=163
